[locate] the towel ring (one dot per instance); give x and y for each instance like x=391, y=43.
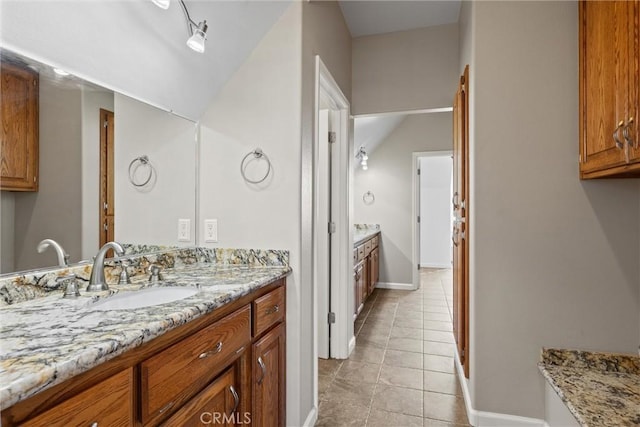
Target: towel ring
x=144, y=160
x=368, y=198
x=257, y=154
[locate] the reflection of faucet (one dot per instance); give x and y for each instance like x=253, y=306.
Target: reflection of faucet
x=97, y=281
x=63, y=257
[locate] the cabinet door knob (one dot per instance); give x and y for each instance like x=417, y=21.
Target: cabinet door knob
x=619, y=143
x=264, y=370
x=236, y=398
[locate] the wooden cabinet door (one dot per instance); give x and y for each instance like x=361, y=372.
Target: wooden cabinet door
x=269, y=379
x=19, y=157
x=374, y=269
x=215, y=405
x=608, y=79
x=108, y=403
x=634, y=82
x=359, y=284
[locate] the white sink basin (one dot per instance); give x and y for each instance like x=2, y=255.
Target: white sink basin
x=145, y=298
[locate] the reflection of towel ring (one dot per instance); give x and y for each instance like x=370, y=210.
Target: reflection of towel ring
x=368, y=198
x=257, y=154
x=144, y=160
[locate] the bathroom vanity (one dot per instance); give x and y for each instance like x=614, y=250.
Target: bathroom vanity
x=216, y=357
x=366, y=263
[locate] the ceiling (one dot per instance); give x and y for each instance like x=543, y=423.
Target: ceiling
x=369, y=132
x=377, y=17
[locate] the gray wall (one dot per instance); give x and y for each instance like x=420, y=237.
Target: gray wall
x=389, y=178
x=554, y=260
x=7, y=236
x=405, y=70
x=55, y=211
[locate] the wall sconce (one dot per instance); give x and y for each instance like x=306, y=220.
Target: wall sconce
x=362, y=157
x=197, y=32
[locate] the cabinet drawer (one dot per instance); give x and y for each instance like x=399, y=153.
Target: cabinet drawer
x=215, y=405
x=360, y=250
x=268, y=310
x=108, y=403
x=367, y=247
x=355, y=256
x=374, y=242
x=172, y=376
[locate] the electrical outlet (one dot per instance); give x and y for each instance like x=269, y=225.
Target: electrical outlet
x=210, y=230
x=184, y=230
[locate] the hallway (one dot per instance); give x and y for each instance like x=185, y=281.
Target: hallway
x=402, y=371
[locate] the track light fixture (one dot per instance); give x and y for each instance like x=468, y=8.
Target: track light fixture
x=197, y=32
x=363, y=157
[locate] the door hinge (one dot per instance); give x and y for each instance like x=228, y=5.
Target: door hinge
x=105, y=124
x=418, y=219
x=332, y=227
x=462, y=352
x=418, y=266
x=418, y=171
x=331, y=317
x=105, y=206
x=332, y=137
x=105, y=227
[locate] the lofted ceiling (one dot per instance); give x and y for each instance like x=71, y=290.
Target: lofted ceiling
x=138, y=49
x=369, y=132
x=366, y=18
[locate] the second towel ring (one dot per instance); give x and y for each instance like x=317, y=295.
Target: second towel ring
x=368, y=198
x=257, y=154
x=144, y=160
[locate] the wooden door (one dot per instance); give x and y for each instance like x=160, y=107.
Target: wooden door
x=460, y=233
x=19, y=109
x=606, y=30
x=215, y=405
x=269, y=379
x=107, y=190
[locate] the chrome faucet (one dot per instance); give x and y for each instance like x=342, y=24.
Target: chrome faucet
x=63, y=257
x=97, y=282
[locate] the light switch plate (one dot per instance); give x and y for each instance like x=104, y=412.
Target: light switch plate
x=184, y=230
x=210, y=230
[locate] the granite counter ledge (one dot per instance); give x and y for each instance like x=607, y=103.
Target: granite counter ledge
x=599, y=389
x=48, y=340
x=363, y=232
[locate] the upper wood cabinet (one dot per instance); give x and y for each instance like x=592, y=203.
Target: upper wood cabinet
x=19, y=116
x=609, y=58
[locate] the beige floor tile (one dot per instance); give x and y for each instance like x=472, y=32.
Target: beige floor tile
x=439, y=348
x=405, y=359
x=324, y=381
x=445, y=407
x=440, y=317
x=409, y=323
x=435, y=325
x=351, y=392
x=441, y=382
x=332, y=414
x=405, y=344
x=401, y=377
x=378, y=418
x=430, y=422
x=359, y=372
x=435, y=302
x=367, y=353
x=329, y=367
x=436, y=309
x=372, y=340
x=439, y=363
x=398, y=399
x=438, y=336
x=413, y=333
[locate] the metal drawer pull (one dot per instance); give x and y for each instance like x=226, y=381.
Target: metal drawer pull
x=216, y=350
x=94, y=425
x=264, y=370
x=236, y=398
x=166, y=407
x=274, y=309
x=619, y=143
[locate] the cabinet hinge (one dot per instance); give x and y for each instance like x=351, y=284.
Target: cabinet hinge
x=332, y=137
x=105, y=124
x=331, y=317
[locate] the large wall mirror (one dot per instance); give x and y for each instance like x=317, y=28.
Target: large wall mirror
x=105, y=161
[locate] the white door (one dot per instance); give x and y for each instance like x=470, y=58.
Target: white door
x=323, y=243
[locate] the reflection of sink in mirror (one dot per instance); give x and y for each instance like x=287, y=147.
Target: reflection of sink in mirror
x=145, y=298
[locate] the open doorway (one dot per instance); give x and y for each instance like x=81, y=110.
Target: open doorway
x=433, y=211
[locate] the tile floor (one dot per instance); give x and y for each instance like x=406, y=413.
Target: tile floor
x=402, y=371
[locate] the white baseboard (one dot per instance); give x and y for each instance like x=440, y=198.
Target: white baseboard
x=311, y=418
x=397, y=286
x=352, y=344
x=491, y=419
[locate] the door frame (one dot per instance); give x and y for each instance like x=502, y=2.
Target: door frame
x=106, y=195
x=415, y=209
x=343, y=340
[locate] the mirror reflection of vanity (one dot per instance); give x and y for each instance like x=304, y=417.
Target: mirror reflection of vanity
x=67, y=205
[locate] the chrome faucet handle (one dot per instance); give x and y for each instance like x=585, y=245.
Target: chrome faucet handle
x=70, y=286
x=124, y=274
x=155, y=274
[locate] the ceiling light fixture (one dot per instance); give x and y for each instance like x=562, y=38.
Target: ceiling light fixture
x=363, y=157
x=197, y=32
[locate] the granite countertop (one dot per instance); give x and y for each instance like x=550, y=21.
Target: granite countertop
x=47, y=340
x=600, y=389
x=363, y=232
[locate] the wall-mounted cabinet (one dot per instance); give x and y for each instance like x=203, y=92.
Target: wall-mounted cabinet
x=609, y=89
x=19, y=116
